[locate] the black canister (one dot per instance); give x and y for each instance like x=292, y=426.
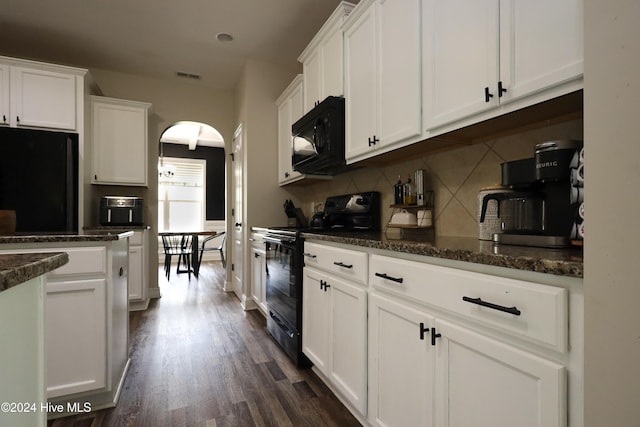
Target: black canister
x=553, y=159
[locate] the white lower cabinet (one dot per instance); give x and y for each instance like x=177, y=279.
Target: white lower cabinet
x=139, y=270
x=334, y=325
x=258, y=272
x=483, y=382
x=87, y=321
x=419, y=344
x=76, y=325
x=401, y=364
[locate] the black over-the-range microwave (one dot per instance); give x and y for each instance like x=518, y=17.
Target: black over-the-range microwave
x=318, y=139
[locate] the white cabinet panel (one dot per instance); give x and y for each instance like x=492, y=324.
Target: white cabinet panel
x=4, y=95
x=482, y=382
x=289, y=106
x=119, y=137
x=76, y=336
x=44, y=98
x=401, y=365
x=322, y=60
x=341, y=262
x=383, y=77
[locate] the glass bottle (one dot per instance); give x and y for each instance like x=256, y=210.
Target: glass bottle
x=398, y=192
x=409, y=193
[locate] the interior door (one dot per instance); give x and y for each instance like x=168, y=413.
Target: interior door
x=237, y=262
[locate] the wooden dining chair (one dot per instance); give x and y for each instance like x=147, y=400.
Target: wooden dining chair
x=180, y=245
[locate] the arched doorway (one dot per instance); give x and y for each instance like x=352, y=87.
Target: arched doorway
x=191, y=179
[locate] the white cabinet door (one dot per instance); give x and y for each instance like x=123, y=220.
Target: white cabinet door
x=316, y=318
x=289, y=111
x=119, y=130
x=383, y=77
x=4, y=95
x=360, y=84
x=258, y=270
x=401, y=364
x=541, y=45
x=312, y=71
x=349, y=341
x=483, y=382
x=460, y=58
x=322, y=60
x=76, y=336
x=399, y=70
x=43, y=98
x=135, y=273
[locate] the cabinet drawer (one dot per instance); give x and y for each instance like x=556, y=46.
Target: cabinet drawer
x=342, y=262
x=535, y=312
x=83, y=261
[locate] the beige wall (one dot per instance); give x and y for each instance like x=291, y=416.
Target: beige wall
x=172, y=102
x=611, y=274
x=455, y=176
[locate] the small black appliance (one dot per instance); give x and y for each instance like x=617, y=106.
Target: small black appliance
x=318, y=139
x=121, y=210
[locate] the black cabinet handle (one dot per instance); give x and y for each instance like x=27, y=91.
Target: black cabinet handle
x=501, y=89
x=394, y=279
x=340, y=264
x=423, y=330
x=324, y=285
x=238, y=224
x=510, y=310
x=373, y=141
x=121, y=272
x=256, y=254
x=286, y=174
x=434, y=335
x=4, y=118
x=309, y=255
x=487, y=95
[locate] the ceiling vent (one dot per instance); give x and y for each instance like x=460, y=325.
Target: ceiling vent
x=188, y=75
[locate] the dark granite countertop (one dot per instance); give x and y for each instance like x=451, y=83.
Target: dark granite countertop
x=114, y=228
x=19, y=268
x=564, y=262
x=102, y=236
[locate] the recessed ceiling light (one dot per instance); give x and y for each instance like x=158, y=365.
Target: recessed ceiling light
x=224, y=37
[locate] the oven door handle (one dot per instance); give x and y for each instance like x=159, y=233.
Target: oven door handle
x=278, y=241
x=282, y=326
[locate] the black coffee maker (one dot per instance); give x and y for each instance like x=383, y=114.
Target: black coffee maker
x=540, y=200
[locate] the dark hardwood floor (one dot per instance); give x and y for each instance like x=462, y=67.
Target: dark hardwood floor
x=198, y=359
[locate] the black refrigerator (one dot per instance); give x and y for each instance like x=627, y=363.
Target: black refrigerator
x=39, y=179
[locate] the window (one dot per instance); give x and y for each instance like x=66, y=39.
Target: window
x=181, y=195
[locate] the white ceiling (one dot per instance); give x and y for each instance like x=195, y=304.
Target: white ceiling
x=158, y=38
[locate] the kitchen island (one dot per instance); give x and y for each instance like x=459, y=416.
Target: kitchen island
x=22, y=333
x=86, y=316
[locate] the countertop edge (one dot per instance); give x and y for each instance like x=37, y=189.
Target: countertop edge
x=19, y=268
x=539, y=264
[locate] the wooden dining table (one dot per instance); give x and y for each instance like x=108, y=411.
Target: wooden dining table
x=195, y=244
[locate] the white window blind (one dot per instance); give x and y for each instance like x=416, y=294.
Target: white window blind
x=181, y=195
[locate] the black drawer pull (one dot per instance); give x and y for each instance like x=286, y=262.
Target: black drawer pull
x=308, y=255
x=340, y=264
x=386, y=276
x=510, y=310
x=423, y=330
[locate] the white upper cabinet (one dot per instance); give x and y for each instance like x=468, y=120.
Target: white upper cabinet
x=322, y=60
x=39, y=95
x=119, y=141
x=4, y=95
x=479, y=55
x=289, y=111
x=382, y=77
